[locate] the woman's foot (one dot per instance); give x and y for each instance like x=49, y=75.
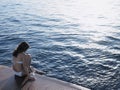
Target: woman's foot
x=39, y=72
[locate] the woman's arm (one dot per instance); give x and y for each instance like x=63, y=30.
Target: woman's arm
x=26, y=64
x=26, y=67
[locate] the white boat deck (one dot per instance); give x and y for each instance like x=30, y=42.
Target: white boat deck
x=42, y=82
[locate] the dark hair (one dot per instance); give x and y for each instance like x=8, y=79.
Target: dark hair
x=22, y=47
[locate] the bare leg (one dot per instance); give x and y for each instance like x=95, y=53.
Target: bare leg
x=36, y=71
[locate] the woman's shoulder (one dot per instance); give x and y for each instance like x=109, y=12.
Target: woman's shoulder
x=24, y=55
x=27, y=55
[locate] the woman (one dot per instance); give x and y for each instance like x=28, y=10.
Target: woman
x=21, y=64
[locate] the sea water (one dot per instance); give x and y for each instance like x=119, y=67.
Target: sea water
x=77, y=41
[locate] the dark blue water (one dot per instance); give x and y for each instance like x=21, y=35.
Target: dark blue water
x=75, y=40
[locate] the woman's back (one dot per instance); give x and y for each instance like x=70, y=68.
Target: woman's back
x=18, y=62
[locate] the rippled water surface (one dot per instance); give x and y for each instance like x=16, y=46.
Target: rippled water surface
x=73, y=40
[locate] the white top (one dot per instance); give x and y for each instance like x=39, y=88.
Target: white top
x=18, y=73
